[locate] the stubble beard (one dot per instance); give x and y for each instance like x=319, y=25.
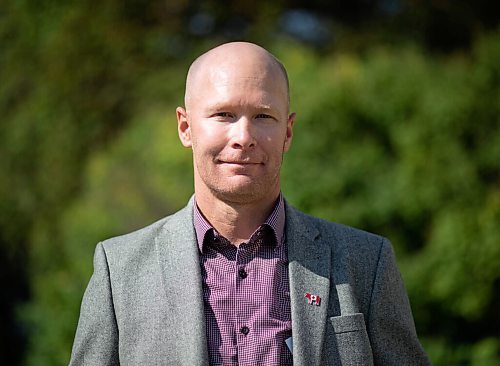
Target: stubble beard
x=233, y=190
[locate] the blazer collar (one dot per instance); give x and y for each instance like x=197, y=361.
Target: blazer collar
x=179, y=263
x=309, y=269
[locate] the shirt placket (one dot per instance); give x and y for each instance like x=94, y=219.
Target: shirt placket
x=227, y=259
x=244, y=329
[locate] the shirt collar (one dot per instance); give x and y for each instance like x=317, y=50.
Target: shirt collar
x=276, y=221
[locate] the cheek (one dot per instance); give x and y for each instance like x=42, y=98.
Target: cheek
x=207, y=138
x=273, y=140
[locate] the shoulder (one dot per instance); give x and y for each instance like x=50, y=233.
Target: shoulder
x=355, y=253
x=336, y=235
x=142, y=241
x=358, y=257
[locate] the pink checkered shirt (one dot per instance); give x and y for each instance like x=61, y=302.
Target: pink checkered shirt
x=246, y=293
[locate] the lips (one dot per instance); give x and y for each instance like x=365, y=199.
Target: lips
x=239, y=161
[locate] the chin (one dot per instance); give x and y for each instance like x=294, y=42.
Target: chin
x=240, y=188
x=241, y=193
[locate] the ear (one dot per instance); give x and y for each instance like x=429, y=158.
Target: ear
x=183, y=127
x=289, y=132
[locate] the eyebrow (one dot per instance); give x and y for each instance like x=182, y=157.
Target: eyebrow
x=226, y=106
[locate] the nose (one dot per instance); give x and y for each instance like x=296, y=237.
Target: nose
x=242, y=134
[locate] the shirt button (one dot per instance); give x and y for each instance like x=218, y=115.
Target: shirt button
x=245, y=330
x=242, y=273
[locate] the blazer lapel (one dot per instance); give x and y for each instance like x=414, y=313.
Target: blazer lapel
x=309, y=270
x=178, y=259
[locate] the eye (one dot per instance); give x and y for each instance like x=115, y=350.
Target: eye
x=264, y=116
x=222, y=115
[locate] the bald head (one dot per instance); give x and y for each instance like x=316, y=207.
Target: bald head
x=235, y=60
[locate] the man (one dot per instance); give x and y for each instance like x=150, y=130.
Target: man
x=239, y=277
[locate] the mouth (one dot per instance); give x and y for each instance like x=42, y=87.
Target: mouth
x=239, y=162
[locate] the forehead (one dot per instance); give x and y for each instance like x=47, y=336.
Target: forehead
x=255, y=92
x=229, y=81
x=245, y=91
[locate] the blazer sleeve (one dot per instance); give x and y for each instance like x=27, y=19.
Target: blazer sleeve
x=96, y=339
x=390, y=322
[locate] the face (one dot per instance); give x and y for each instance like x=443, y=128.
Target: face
x=238, y=127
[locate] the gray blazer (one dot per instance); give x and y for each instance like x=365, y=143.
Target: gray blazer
x=144, y=304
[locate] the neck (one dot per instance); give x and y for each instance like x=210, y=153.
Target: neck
x=236, y=221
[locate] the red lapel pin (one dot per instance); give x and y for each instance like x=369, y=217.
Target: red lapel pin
x=313, y=299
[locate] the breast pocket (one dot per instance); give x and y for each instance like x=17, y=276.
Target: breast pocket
x=352, y=339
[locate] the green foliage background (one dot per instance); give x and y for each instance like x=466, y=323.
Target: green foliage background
x=389, y=138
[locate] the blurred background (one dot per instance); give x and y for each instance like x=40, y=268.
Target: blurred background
x=397, y=133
